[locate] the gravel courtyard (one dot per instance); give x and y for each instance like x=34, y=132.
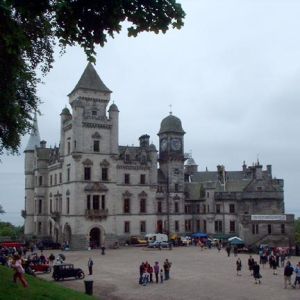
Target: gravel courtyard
x=195, y=274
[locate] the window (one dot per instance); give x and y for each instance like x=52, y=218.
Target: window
x=207, y=194
x=104, y=174
x=204, y=208
x=176, y=226
x=282, y=227
x=69, y=147
x=218, y=226
x=40, y=180
x=68, y=205
x=208, y=208
x=94, y=113
x=96, y=202
x=143, y=226
x=269, y=228
x=39, y=227
x=126, y=227
x=96, y=146
x=88, y=201
x=218, y=208
x=50, y=206
x=103, y=202
x=51, y=180
x=60, y=178
x=143, y=205
x=126, y=205
x=159, y=207
x=176, y=187
x=198, y=225
x=232, y=226
x=50, y=228
x=231, y=208
x=255, y=229
x=188, y=225
x=68, y=174
x=127, y=178
x=176, y=207
x=204, y=226
x=143, y=179
x=55, y=179
x=40, y=206
x=198, y=208
x=87, y=173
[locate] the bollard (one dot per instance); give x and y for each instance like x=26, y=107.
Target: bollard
x=88, y=284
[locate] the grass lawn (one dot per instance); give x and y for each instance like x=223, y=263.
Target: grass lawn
x=38, y=289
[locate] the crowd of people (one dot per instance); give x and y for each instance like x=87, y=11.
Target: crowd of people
x=147, y=271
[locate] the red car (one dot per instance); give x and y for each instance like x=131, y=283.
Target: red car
x=44, y=268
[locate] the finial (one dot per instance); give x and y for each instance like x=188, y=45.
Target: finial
x=170, y=105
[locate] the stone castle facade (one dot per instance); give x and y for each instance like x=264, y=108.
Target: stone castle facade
x=92, y=191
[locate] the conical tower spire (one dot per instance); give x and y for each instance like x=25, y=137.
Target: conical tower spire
x=34, y=139
x=90, y=80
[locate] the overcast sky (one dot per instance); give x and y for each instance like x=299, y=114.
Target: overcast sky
x=232, y=75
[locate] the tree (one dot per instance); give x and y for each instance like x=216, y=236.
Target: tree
x=29, y=30
x=1, y=210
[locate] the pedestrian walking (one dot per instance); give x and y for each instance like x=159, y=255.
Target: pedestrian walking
x=256, y=273
x=238, y=267
x=161, y=276
x=228, y=249
x=250, y=264
x=19, y=271
x=274, y=264
x=150, y=271
x=90, y=266
x=297, y=277
x=288, y=271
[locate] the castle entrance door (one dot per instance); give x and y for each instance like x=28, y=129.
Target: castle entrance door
x=95, y=238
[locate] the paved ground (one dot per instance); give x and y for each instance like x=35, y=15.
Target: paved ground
x=195, y=274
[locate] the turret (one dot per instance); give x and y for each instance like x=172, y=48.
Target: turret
x=65, y=115
x=114, y=118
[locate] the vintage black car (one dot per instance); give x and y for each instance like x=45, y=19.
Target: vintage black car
x=65, y=271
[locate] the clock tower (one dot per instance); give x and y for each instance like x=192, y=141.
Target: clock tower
x=171, y=168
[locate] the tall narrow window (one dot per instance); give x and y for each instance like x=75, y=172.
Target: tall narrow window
x=269, y=228
x=104, y=174
x=255, y=229
x=198, y=225
x=96, y=146
x=126, y=207
x=218, y=208
x=51, y=180
x=159, y=207
x=39, y=227
x=40, y=206
x=50, y=205
x=96, y=202
x=282, y=227
x=143, y=226
x=204, y=226
x=176, y=187
x=68, y=174
x=60, y=178
x=88, y=202
x=231, y=208
x=143, y=205
x=55, y=179
x=69, y=147
x=40, y=180
x=127, y=178
x=176, y=226
x=143, y=179
x=176, y=207
x=68, y=205
x=232, y=226
x=103, y=202
x=87, y=173
x=218, y=226
x=126, y=227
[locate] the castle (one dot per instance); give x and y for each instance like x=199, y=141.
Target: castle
x=92, y=191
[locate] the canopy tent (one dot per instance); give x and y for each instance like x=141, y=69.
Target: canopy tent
x=234, y=238
x=236, y=241
x=199, y=235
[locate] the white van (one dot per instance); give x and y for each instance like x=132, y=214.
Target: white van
x=152, y=237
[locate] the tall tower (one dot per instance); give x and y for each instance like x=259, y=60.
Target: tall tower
x=171, y=162
x=34, y=141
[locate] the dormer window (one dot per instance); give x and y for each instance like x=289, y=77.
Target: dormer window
x=94, y=113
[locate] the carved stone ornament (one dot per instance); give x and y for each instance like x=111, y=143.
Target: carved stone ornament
x=104, y=163
x=127, y=194
x=96, y=135
x=68, y=193
x=95, y=187
x=143, y=194
x=87, y=162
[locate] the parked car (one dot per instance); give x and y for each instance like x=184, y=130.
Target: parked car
x=157, y=244
x=44, y=268
x=134, y=240
x=185, y=240
x=65, y=271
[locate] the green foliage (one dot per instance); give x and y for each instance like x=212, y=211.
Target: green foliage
x=1, y=210
x=39, y=289
x=297, y=231
x=29, y=29
x=9, y=230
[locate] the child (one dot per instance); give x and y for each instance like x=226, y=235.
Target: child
x=238, y=267
x=161, y=276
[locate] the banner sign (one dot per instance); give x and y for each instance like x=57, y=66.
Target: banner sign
x=268, y=217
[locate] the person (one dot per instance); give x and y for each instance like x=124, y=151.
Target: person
x=90, y=266
x=228, y=249
x=238, y=266
x=142, y=267
x=256, y=272
x=167, y=266
x=274, y=264
x=51, y=259
x=145, y=277
x=150, y=271
x=161, y=276
x=297, y=277
x=288, y=271
x=19, y=271
x=235, y=251
x=250, y=264
x=156, y=271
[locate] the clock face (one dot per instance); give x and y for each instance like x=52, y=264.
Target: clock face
x=176, y=144
x=163, y=145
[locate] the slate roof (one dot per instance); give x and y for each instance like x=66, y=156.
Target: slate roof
x=171, y=124
x=34, y=139
x=90, y=80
